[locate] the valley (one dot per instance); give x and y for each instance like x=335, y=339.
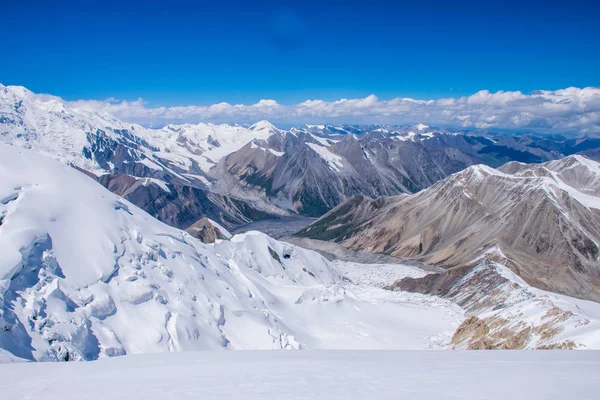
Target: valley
x=354, y=200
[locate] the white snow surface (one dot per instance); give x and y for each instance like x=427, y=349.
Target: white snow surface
x=85, y=274
x=264, y=125
x=377, y=275
x=195, y=142
x=160, y=183
x=333, y=160
x=402, y=137
x=347, y=375
x=276, y=153
x=323, y=141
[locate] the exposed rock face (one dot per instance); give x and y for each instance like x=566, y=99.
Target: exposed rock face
x=204, y=230
x=494, y=333
x=313, y=169
x=180, y=205
x=544, y=218
x=310, y=175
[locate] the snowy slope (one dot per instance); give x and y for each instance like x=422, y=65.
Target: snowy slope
x=204, y=144
x=85, y=275
x=98, y=142
x=516, y=315
x=329, y=375
x=45, y=124
x=333, y=161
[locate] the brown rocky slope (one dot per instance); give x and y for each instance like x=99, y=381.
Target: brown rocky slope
x=543, y=218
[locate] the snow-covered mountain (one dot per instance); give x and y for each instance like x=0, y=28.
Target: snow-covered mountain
x=85, y=274
x=544, y=218
x=81, y=266
x=174, y=157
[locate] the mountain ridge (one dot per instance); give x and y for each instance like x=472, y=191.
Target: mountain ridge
x=550, y=230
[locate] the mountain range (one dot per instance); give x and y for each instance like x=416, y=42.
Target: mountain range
x=116, y=237
x=237, y=174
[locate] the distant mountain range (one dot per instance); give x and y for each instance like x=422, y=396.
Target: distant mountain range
x=171, y=160
x=238, y=174
x=312, y=169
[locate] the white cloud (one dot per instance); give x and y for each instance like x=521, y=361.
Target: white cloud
x=572, y=109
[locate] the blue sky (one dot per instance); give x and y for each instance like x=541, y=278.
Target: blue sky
x=181, y=53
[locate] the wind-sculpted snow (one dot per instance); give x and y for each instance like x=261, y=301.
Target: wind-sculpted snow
x=85, y=274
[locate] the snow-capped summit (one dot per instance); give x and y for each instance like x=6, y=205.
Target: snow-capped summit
x=264, y=125
x=20, y=91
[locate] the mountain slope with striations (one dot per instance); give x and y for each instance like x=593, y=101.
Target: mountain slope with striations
x=544, y=219
x=312, y=169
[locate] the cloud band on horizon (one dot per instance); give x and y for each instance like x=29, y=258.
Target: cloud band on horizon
x=571, y=109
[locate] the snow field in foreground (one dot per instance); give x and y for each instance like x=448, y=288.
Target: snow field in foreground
x=312, y=375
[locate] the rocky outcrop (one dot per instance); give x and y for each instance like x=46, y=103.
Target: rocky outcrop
x=206, y=231
x=503, y=312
